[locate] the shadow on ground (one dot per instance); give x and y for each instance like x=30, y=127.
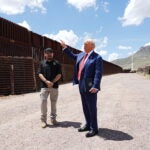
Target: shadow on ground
x=114, y=135
x=66, y=124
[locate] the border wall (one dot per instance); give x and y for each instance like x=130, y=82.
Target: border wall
x=21, y=51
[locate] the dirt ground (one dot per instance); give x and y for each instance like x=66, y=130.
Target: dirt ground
x=123, y=118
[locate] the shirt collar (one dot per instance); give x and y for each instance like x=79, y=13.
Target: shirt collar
x=90, y=53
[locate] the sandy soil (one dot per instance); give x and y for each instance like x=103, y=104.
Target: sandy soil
x=123, y=117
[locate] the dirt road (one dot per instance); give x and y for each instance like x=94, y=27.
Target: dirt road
x=123, y=117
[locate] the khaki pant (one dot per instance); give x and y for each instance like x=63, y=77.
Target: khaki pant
x=45, y=92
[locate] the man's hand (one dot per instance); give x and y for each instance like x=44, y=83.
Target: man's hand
x=93, y=90
x=49, y=84
x=63, y=44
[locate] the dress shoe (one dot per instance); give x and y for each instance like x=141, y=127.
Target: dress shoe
x=91, y=133
x=84, y=128
x=54, y=121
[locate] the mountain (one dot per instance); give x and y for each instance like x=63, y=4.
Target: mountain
x=139, y=59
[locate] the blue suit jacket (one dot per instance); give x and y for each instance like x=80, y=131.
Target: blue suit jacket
x=92, y=69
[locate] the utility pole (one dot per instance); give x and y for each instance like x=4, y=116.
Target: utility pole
x=132, y=62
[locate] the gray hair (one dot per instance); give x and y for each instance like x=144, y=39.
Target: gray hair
x=90, y=41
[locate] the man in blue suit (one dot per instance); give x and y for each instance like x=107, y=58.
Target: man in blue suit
x=88, y=74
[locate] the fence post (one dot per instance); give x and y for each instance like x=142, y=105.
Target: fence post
x=12, y=78
x=34, y=75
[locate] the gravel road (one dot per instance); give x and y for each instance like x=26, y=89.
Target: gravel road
x=123, y=118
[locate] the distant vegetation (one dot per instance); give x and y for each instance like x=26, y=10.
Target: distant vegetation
x=140, y=59
x=144, y=71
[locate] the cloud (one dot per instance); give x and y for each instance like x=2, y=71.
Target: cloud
x=135, y=12
x=87, y=36
x=99, y=30
x=105, y=5
x=121, y=47
x=147, y=44
x=82, y=4
x=131, y=53
x=113, y=56
x=18, y=7
x=101, y=43
x=69, y=37
x=103, y=52
x=25, y=24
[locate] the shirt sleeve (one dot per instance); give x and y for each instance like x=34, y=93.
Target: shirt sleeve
x=40, y=69
x=59, y=70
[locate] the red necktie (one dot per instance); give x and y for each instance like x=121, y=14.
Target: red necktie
x=81, y=65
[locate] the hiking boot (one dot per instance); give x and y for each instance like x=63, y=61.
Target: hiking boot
x=43, y=124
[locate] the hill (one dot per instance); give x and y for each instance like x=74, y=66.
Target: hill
x=140, y=59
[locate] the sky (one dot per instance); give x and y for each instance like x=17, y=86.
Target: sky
x=118, y=27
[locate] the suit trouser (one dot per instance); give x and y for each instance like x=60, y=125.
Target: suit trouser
x=89, y=104
x=45, y=92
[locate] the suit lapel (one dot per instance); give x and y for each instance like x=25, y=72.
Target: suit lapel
x=80, y=58
x=88, y=60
